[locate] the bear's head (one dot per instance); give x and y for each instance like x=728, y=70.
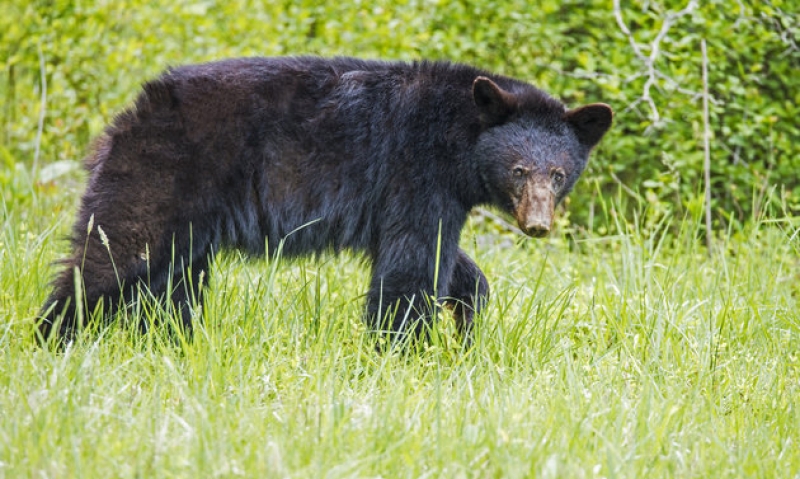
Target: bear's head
x=532, y=149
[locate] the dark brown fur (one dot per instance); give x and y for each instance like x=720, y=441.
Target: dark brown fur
x=382, y=158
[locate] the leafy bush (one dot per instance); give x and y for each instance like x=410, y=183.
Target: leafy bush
x=642, y=57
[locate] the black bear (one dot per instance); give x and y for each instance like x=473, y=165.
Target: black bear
x=383, y=158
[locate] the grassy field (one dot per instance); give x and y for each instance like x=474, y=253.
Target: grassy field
x=631, y=354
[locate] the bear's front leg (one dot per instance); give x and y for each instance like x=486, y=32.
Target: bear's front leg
x=406, y=283
x=467, y=293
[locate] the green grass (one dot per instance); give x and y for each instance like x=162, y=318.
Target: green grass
x=632, y=354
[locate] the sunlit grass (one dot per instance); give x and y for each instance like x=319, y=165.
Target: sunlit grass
x=633, y=354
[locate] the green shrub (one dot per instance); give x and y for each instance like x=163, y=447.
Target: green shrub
x=97, y=53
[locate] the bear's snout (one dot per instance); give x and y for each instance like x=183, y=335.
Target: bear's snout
x=535, y=209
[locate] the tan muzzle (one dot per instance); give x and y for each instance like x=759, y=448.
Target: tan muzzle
x=535, y=210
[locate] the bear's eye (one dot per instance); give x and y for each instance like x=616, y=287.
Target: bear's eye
x=558, y=177
x=519, y=172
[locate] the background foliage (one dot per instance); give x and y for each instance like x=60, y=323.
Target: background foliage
x=641, y=57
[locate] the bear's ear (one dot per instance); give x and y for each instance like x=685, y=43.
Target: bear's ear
x=494, y=103
x=590, y=122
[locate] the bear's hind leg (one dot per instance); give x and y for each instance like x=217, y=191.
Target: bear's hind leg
x=99, y=277
x=114, y=266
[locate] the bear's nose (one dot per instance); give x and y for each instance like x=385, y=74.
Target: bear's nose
x=537, y=230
